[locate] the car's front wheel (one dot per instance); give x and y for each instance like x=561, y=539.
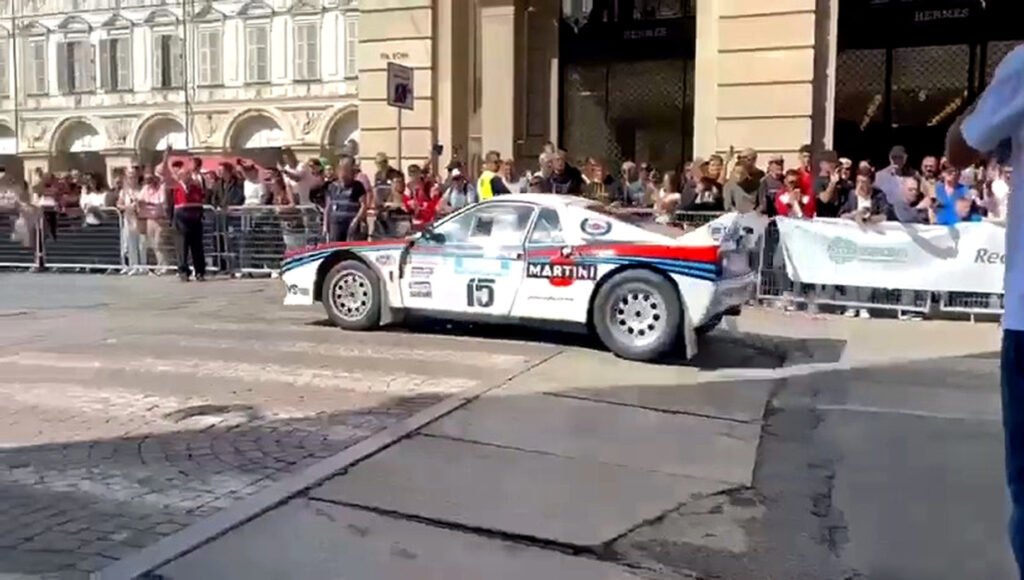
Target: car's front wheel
x=351, y=296
x=637, y=315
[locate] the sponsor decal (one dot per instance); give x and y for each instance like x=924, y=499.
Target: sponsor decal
x=986, y=256
x=844, y=250
x=551, y=298
x=421, y=272
x=561, y=273
x=595, y=227
x=384, y=260
x=480, y=293
x=481, y=267
x=297, y=291
x=420, y=290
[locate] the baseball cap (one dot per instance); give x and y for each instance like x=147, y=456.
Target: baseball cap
x=456, y=173
x=830, y=156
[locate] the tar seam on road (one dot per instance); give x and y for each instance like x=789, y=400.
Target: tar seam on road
x=205, y=531
x=654, y=409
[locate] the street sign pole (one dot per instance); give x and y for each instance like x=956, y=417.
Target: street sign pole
x=400, y=96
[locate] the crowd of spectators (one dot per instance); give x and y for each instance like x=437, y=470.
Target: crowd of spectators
x=161, y=203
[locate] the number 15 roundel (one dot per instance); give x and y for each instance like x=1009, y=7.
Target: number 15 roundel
x=480, y=293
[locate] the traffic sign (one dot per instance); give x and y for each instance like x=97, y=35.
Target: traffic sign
x=400, y=86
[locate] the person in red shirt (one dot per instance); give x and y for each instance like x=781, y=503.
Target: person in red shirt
x=806, y=173
x=793, y=201
x=186, y=197
x=426, y=211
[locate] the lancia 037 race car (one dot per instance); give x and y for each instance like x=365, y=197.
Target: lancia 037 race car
x=541, y=257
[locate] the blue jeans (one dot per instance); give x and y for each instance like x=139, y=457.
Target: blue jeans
x=1013, y=430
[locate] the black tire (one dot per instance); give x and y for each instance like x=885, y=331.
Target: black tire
x=351, y=296
x=709, y=325
x=637, y=315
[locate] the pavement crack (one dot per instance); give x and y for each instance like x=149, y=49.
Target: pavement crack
x=595, y=552
x=646, y=408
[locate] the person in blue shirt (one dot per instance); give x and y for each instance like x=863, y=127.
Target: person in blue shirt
x=946, y=193
x=964, y=211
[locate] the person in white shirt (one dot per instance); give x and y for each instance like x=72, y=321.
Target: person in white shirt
x=994, y=125
x=890, y=179
x=92, y=201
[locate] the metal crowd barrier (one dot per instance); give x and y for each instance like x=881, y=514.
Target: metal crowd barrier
x=253, y=239
x=18, y=241
x=776, y=288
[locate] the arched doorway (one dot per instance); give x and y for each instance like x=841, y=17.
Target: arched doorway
x=76, y=146
x=343, y=134
x=258, y=137
x=155, y=135
x=13, y=167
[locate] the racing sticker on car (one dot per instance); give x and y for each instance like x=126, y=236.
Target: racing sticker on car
x=421, y=272
x=481, y=266
x=480, y=293
x=384, y=260
x=561, y=274
x=595, y=227
x=420, y=290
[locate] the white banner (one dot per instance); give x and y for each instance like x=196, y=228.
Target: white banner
x=963, y=258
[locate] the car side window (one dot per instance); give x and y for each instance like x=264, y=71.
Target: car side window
x=548, y=229
x=490, y=224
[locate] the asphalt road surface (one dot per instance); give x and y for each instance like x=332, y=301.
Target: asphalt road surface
x=134, y=407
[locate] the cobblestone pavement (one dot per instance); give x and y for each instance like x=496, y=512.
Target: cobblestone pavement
x=136, y=406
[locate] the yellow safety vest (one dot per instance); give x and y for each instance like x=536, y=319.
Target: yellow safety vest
x=483, y=185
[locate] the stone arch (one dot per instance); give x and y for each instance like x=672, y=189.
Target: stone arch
x=76, y=135
x=8, y=140
x=243, y=131
x=154, y=132
x=341, y=126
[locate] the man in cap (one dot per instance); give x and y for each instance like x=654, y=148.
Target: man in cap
x=773, y=182
x=890, y=179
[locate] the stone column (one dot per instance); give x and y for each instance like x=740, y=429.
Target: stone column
x=498, y=76
x=752, y=89
x=401, y=31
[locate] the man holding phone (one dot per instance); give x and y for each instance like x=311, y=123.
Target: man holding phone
x=995, y=125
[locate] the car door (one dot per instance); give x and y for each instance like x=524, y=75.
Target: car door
x=472, y=262
x=557, y=284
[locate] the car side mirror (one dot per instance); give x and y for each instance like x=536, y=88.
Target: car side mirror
x=433, y=237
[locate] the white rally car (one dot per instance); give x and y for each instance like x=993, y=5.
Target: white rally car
x=540, y=257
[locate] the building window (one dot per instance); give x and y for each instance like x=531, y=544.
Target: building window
x=115, y=64
x=76, y=67
x=351, y=46
x=35, y=61
x=5, y=81
x=257, y=53
x=168, y=66
x=307, y=51
x=209, y=56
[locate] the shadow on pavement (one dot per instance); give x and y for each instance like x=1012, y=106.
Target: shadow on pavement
x=718, y=350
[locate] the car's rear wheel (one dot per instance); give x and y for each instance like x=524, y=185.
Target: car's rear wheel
x=637, y=315
x=351, y=296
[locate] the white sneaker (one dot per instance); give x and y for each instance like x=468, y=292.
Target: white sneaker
x=864, y=313
x=850, y=313
x=910, y=316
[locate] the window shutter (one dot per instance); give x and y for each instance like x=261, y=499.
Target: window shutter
x=214, y=60
x=107, y=65
x=177, y=62
x=62, y=67
x=90, y=75
x=123, y=57
x=158, y=61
